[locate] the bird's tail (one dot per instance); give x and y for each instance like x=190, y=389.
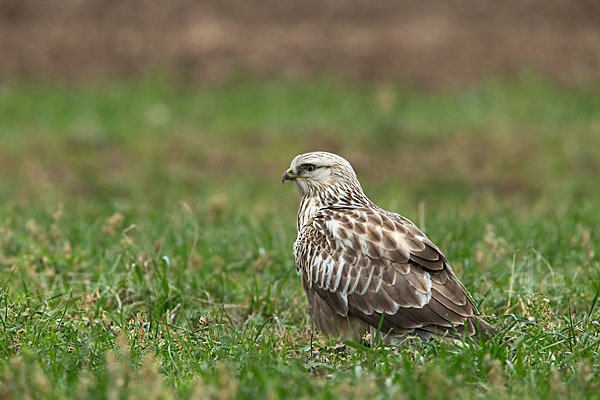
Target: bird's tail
x=474, y=327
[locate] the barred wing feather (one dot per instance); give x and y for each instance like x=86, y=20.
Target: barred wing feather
x=366, y=262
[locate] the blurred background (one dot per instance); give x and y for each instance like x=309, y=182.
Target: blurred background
x=470, y=98
x=463, y=95
x=435, y=44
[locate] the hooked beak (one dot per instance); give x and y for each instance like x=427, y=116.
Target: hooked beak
x=289, y=176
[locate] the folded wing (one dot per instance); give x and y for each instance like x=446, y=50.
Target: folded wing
x=365, y=263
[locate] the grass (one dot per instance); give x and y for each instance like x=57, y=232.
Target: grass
x=145, y=239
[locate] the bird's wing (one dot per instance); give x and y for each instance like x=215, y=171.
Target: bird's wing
x=369, y=262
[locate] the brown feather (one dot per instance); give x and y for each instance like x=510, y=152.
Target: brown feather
x=428, y=253
x=432, y=265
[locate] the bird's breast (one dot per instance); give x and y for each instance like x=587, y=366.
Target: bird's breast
x=308, y=208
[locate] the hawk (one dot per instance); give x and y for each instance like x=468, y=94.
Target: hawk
x=361, y=265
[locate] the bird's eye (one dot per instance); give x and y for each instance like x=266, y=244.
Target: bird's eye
x=309, y=168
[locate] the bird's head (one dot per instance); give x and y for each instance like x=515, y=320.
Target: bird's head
x=320, y=172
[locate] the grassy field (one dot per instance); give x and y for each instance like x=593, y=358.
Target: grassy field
x=146, y=239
